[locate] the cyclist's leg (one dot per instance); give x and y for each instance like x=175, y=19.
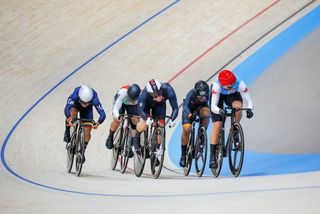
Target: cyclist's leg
x=216, y=127
x=235, y=100
x=134, y=119
x=141, y=126
x=86, y=113
x=113, y=127
x=66, y=137
x=204, y=112
x=186, y=129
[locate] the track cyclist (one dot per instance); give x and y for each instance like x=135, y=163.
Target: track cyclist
x=81, y=100
x=195, y=104
x=153, y=98
x=126, y=99
x=230, y=90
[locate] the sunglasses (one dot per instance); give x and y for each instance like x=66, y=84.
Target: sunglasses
x=228, y=87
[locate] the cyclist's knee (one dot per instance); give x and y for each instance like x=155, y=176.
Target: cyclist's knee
x=205, y=112
x=141, y=126
x=186, y=128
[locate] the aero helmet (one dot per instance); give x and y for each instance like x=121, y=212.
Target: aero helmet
x=153, y=87
x=85, y=93
x=134, y=91
x=226, y=77
x=201, y=88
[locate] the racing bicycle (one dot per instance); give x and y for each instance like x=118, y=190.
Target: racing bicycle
x=153, y=147
x=196, y=148
x=122, y=149
x=76, y=147
x=233, y=147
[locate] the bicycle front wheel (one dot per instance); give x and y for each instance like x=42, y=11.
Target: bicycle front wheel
x=116, y=148
x=157, y=151
x=125, y=149
x=219, y=155
x=189, y=155
x=140, y=159
x=201, y=151
x=80, y=153
x=70, y=151
x=236, y=149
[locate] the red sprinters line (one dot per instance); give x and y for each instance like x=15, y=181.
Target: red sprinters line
x=223, y=39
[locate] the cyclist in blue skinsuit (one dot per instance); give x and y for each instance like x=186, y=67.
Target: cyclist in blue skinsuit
x=82, y=100
x=153, y=98
x=195, y=103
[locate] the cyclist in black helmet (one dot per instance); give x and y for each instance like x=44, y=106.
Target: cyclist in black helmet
x=126, y=99
x=195, y=103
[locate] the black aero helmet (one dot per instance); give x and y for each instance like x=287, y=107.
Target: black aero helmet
x=134, y=91
x=201, y=88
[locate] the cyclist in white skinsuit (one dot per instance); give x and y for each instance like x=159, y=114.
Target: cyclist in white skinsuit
x=230, y=90
x=126, y=99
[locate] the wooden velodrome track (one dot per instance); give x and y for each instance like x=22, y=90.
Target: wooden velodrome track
x=50, y=47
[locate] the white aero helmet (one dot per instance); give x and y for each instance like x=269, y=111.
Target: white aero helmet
x=85, y=93
x=153, y=87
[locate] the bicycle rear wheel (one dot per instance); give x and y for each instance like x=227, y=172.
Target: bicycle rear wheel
x=116, y=148
x=236, y=150
x=189, y=155
x=157, y=151
x=80, y=153
x=201, y=151
x=219, y=156
x=140, y=159
x=70, y=151
x=125, y=149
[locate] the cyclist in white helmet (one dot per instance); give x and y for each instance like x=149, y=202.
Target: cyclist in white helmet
x=82, y=100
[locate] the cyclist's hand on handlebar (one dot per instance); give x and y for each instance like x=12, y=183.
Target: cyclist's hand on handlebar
x=172, y=123
x=193, y=116
x=249, y=113
x=222, y=112
x=96, y=125
x=69, y=121
x=148, y=121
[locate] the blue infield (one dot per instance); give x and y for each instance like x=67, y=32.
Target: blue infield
x=260, y=163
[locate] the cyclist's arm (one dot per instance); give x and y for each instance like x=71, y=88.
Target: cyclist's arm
x=173, y=102
x=121, y=94
x=99, y=108
x=245, y=94
x=71, y=100
x=186, y=102
x=216, y=90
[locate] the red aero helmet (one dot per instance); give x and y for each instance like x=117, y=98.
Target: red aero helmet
x=226, y=77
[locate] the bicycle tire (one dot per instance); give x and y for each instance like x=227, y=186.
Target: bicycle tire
x=116, y=148
x=80, y=153
x=157, y=152
x=236, y=152
x=71, y=151
x=140, y=160
x=201, y=151
x=219, y=155
x=126, y=146
x=189, y=154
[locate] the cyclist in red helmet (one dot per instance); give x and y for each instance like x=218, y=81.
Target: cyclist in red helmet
x=230, y=90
